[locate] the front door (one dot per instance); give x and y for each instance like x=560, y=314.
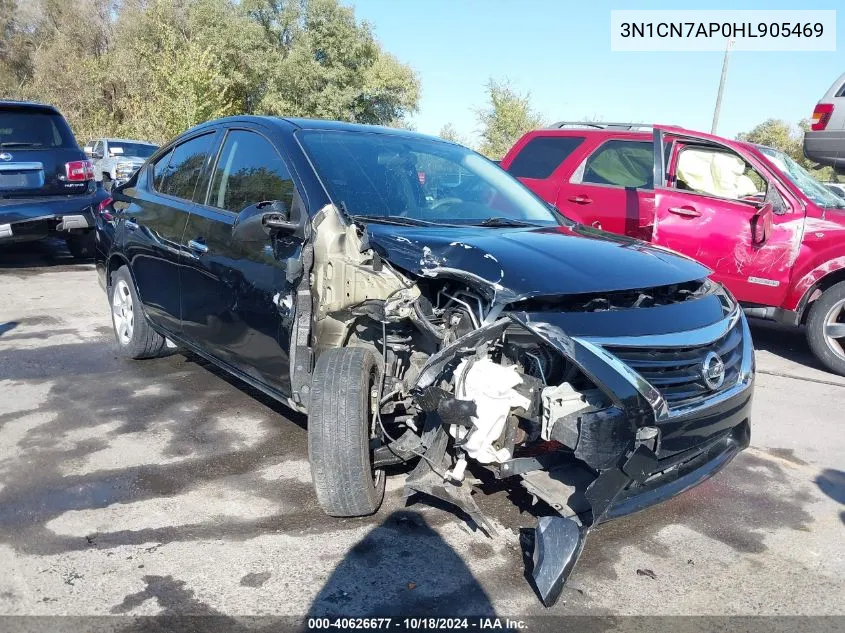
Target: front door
x=237, y=297
x=705, y=207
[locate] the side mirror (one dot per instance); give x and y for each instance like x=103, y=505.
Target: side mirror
x=761, y=224
x=262, y=220
x=88, y=150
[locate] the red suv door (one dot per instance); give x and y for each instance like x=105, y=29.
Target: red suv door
x=718, y=205
x=611, y=188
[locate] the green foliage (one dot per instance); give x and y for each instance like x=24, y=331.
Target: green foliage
x=781, y=135
x=150, y=69
x=449, y=133
x=507, y=117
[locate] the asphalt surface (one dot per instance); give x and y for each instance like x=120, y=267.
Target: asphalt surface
x=165, y=487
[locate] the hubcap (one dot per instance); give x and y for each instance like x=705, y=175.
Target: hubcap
x=122, y=312
x=834, y=329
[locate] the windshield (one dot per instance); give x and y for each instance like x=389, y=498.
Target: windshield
x=802, y=179
x=140, y=150
x=385, y=177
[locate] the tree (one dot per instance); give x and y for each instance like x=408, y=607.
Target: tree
x=507, y=117
x=780, y=135
x=152, y=68
x=449, y=133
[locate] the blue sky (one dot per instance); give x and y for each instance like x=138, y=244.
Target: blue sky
x=559, y=51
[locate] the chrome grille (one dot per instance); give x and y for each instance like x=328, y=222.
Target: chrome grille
x=677, y=371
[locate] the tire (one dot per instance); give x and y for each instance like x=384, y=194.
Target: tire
x=81, y=245
x=107, y=184
x=339, y=421
x=825, y=312
x=135, y=338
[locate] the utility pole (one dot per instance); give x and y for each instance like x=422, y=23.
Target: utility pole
x=718, y=107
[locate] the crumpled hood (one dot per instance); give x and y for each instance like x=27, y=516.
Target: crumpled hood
x=527, y=262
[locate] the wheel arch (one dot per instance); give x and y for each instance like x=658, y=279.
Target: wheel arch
x=115, y=261
x=816, y=289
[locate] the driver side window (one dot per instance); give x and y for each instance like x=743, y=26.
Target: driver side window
x=718, y=173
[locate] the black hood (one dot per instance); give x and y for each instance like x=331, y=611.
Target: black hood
x=518, y=263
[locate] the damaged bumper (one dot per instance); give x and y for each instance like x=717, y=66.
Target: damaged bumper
x=677, y=411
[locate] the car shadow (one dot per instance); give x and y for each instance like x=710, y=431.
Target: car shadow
x=832, y=482
x=784, y=341
x=402, y=567
x=47, y=253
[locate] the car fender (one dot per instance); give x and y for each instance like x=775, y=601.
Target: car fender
x=802, y=290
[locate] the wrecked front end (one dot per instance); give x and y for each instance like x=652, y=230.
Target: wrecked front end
x=602, y=403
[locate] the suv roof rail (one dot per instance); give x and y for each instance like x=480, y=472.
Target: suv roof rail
x=602, y=125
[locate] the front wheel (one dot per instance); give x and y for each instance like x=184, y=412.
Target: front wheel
x=339, y=432
x=826, y=328
x=135, y=338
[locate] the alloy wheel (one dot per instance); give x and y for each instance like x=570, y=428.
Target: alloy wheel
x=122, y=312
x=834, y=329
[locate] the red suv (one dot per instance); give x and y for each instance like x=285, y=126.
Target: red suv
x=769, y=231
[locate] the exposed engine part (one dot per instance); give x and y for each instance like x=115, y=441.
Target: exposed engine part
x=491, y=387
x=563, y=401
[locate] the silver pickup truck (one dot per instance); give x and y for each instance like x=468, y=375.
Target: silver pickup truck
x=116, y=159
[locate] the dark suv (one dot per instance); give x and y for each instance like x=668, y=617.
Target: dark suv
x=46, y=182
x=423, y=306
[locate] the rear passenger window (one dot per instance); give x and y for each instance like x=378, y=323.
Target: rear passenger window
x=542, y=155
x=621, y=164
x=179, y=178
x=249, y=170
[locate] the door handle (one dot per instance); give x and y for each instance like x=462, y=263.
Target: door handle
x=131, y=224
x=581, y=199
x=685, y=211
x=199, y=247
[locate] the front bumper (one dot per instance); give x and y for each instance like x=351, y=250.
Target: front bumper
x=36, y=218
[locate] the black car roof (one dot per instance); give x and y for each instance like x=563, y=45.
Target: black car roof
x=9, y=104
x=318, y=124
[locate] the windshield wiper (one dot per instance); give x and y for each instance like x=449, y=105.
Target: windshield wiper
x=20, y=144
x=393, y=219
x=504, y=222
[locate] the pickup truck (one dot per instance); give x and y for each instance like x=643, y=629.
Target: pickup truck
x=115, y=159
x=770, y=232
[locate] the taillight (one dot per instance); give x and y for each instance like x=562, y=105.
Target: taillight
x=821, y=116
x=79, y=170
x=103, y=209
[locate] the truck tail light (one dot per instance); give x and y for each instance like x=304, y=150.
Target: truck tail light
x=79, y=170
x=821, y=116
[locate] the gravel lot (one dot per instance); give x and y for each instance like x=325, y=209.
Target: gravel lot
x=165, y=487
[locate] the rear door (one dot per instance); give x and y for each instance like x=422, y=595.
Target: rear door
x=537, y=161
x=237, y=295
x=611, y=188
x=155, y=220
x=706, y=204
x=38, y=154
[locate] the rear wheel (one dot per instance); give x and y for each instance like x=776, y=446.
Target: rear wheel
x=826, y=328
x=81, y=245
x=340, y=426
x=107, y=185
x=135, y=338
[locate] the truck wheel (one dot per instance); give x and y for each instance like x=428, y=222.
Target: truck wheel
x=826, y=328
x=135, y=338
x=339, y=431
x=81, y=245
x=107, y=182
